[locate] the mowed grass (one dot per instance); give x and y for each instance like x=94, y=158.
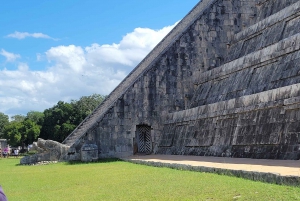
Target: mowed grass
x=118, y=180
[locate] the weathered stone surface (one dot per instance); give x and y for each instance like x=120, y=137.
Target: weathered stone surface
x=48, y=150
x=89, y=152
x=224, y=82
x=41, y=163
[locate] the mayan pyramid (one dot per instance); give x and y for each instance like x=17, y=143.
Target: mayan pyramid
x=224, y=82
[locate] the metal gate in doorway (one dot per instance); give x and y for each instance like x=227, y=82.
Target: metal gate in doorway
x=144, y=139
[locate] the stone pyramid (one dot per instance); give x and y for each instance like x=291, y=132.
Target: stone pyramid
x=224, y=82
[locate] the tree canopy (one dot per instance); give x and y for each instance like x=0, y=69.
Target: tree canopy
x=55, y=123
x=4, y=120
x=18, y=118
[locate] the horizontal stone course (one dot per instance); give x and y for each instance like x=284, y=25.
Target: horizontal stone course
x=284, y=47
x=290, y=11
x=277, y=97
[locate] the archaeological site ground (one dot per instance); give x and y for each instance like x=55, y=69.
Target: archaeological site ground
x=119, y=180
x=224, y=82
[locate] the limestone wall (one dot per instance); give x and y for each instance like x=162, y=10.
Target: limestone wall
x=246, y=107
x=225, y=86
x=166, y=86
x=262, y=125
x=136, y=73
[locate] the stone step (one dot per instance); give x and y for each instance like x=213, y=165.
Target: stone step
x=281, y=48
x=80, y=131
x=256, y=72
x=287, y=97
x=265, y=33
x=74, y=136
x=285, y=14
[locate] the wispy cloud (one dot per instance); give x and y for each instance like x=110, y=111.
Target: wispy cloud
x=22, y=35
x=10, y=57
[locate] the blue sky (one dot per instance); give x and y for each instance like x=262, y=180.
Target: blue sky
x=62, y=50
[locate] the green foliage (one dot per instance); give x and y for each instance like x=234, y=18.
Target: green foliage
x=30, y=131
x=18, y=118
x=4, y=120
x=58, y=121
x=61, y=131
x=63, y=118
x=19, y=133
x=35, y=116
x=55, y=123
x=85, y=106
x=13, y=133
x=125, y=181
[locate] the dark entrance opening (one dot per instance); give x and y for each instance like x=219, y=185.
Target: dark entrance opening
x=144, y=141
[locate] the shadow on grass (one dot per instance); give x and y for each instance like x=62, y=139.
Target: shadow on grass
x=106, y=160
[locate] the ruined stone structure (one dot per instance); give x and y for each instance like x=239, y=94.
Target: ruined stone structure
x=47, y=150
x=224, y=82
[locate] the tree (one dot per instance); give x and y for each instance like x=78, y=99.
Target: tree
x=30, y=131
x=85, y=106
x=62, y=131
x=13, y=133
x=54, y=119
x=35, y=116
x=18, y=118
x=20, y=133
x=60, y=120
x=4, y=120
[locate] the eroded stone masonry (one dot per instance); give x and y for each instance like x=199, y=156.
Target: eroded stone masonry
x=224, y=82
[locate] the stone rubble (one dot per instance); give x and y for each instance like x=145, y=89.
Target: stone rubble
x=41, y=163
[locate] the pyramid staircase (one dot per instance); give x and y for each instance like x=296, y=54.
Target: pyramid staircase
x=274, y=36
x=262, y=69
x=92, y=120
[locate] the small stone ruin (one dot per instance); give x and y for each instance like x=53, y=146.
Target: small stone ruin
x=47, y=150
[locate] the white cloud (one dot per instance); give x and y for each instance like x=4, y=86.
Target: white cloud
x=23, y=67
x=132, y=48
x=10, y=57
x=74, y=71
x=67, y=57
x=22, y=35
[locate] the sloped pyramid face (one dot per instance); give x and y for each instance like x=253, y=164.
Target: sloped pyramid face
x=224, y=82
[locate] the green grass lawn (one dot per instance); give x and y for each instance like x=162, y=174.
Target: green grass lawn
x=118, y=180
